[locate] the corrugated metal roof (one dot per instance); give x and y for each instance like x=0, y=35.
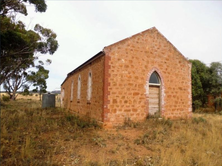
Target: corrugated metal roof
x=99, y=54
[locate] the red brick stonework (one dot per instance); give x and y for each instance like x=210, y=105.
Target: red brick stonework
x=83, y=107
x=121, y=88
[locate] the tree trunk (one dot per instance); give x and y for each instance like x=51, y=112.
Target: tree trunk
x=10, y=96
x=14, y=94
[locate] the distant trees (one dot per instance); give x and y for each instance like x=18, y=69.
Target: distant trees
x=200, y=76
x=215, y=78
x=205, y=81
x=20, y=48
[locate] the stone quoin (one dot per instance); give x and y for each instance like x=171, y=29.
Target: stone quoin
x=140, y=76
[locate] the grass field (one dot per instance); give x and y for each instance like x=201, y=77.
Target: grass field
x=34, y=136
x=33, y=96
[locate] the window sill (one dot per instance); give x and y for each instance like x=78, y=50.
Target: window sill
x=151, y=84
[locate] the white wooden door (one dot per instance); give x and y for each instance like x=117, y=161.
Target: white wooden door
x=154, y=100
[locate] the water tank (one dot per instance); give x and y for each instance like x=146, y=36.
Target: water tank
x=48, y=100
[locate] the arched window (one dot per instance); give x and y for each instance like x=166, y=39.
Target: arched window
x=154, y=94
x=71, y=97
x=79, y=88
x=154, y=79
x=89, y=89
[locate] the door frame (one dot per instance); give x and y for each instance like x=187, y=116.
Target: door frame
x=161, y=91
x=159, y=100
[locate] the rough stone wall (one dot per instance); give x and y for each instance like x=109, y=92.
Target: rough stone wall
x=93, y=108
x=130, y=64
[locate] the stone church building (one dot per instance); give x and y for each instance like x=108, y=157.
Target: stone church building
x=137, y=77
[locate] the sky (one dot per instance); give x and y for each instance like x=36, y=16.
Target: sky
x=84, y=28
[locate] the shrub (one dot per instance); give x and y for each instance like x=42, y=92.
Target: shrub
x=5, y=98
x=218, y=103
x=196, y=105
x=199, y=120
x=129, y=123
x=26, y=92
x=167, y=122
x=81, y=123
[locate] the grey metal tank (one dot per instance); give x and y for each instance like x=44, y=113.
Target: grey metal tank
x=48, y=100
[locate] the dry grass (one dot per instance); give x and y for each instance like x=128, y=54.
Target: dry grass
x=34, y=136
x=33, y=96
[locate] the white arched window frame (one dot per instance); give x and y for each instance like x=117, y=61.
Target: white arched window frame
x=79, y=88
x=71, y=94
x=89, y=87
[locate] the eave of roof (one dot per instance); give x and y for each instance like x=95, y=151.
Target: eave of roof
x=98, y=55
x=101, y=53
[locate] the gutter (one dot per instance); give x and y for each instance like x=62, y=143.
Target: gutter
x=98, y=55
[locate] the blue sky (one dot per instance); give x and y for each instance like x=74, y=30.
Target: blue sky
x=84, y=28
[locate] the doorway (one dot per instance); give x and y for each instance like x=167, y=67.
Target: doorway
x=154, y=94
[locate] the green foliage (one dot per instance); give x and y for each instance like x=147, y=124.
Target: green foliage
x=197, y=104
x=38, y=79
x=81, y=123
x=17, y=47
x=129, y=123
x=205, y=81
x=218, y=103
x=167, y=122
x=20, y=46
x=5, y=98
x=215, y=80
x=199, y=120
x=18, y=6
x=200, y=89
x=25, y=92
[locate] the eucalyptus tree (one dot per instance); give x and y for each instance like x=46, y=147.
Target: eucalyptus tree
x=215, y=80
x=19, y=6
x=200, y=83
x=215, y=83
x=20, y=47
x=206, y=81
